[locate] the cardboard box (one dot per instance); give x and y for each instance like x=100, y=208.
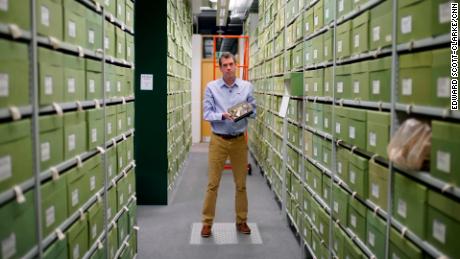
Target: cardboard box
x=121, y=119
x=415, y=78
x=324, y=221
x=328, y=84
x=378, y=132
x=295, y=83
x=308, y=83
x=317, y=149
x=358, y=174
x=440, y=86
x=445, y=152
x=109, y=39
x=122, y=196
x=132, y=220
x=77, y=237
x=113, y=242
x=357, y=127
x=350, y=250
x=298, y=30
x=327, y=45
x=341, y=123
x=129, y=76
x=317, y=49
x=111, y=121
x=328, y=11
x=338, y=240
x=318, y=16
x=95, y=128
x=122, y=227
x=315, y=178
x=343, y=7
x=50, y=18
x=308, y=22
x=74, y=23
x=380, y=79
x=77, y=189
x=57, y=250
x=75, y=134
x=18, y=227
x=339, y=204
x=360, y=81
x=380, y=29
x=129, y=48
x=112, y=163
x=403, y=248
x=360, y=34
x=357, y=214
x=51, y=76
x=93, y=79
x=343, y=158
x=16, y=12
x=120, y=43
x=94, y=174
x=130, y=14
x=307, y=53
x=326, y=189
x=112, y=208
x=121, y=155
x=375, y=237
x=287, y=60
x=54, y=207
x=306, y=230
x=95, y=221
x=74, y=78
x=343, y=82
x=317, y=82
x=378, y=184
x=327, y=154
x=297, y=56
x=121, y=10
x=15, y=153
x=93, y=36
x=316, y=244
x=308, y=143
x=14, y=72
x=120, y=82
x=51, y=141
x=343, y=41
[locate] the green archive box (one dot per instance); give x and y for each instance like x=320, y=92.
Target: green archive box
x=343, y=158
x=327, y=46
x=318, y=15
x=58, y=249
x=317, y=49
x=95, y=221
x=380, y=25
x=327, y=118
x=409, y=204
x=287, y=60
x=308, y=82
x=298, y=30
x=50, y=18
x=403, y=248
x=15, y=12
x=338, y=239
x=378, y=132
x=360, y=81
x=357, y=119
x=440, y=80
x=93, y=35
x=14, y=73
x=328, y=84
x=121, y=10
x=77, y=237
x=111, y=121
x=109, y=38
x=77, y=189
x=343, y=7
x=18, y=227
x=121, y=119
x=295, y=83
x=93, y=79
x=341, y=122
x=378, y=184
x=129, y=14
x=328, y=11
x=351, y=250
x=112, y=162
x=358, y=170
x=315, y=244
x=112, y=199
x=122, y=196
x=120, y=82
x=132, y=214
x=109, y=6
x=15, y=153
x=343, y=82
x=75, y=134
x=307, y=53
x=418, y=19
x=379, y=79
x=445, y=152
x=357, y=218
x=95, y=128
x=443, y=221
x=74, y=78
x=51, y=141
x=324, y=220
x=308, y=22
x=315, y=178
x=327, y=154
x=360, y=34
x=415, y=78
x=375, y=234
x=317, y=119
x=110, y=81
x=297, y=56
x=94, y=171
x=54, y=206
x=343, y=40
x=306, y=229
x=120, y=43
x=317, y=149
x=308, y=143
x=121, y=155
x=326, y=189
x=74, y=23
x=129, y=48
x=122, y=227
x=339, y=204
x=51, y=76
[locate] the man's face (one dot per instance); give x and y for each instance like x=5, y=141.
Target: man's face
x=228, y=67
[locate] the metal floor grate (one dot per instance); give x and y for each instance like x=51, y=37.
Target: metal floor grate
x=225, y=234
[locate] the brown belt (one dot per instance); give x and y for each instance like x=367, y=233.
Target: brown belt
x=224, y=136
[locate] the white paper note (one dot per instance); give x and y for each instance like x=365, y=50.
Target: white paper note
x=376, y=33
x=352, y=132
x=443, y=161
x=375, y=86
x=406, y=24
x=9, y=246
x=439, y=231
x=48, y=85
x=45, y=151
x=72, y=27
x=6, y=167
x=50, y=216
x=443, y=87
x=91, y=36
x=72, y=141
x=4, y=5
x=402, y=208
x=71, y=85
x=147, y=82
x=407, y=86
x=45, y=16
x=4, y=85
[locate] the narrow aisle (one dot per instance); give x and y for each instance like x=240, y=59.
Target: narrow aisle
x=165, y=231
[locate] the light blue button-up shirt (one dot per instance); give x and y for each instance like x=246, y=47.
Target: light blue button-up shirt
x=219, y=97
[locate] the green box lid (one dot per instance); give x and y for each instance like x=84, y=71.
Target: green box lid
x=318, y=73
x=111, y=110
x=93, y=16
x=78, y=227
x=357, y=114
x=91, y=163
x=308, y=74
x=94, y=210
x=445, y=130
x=57, y=250
x=359, y=161
x=74, y=7
x=360, y=67
x=444, y=204
x=293, y=75
x=379, y=64
x=404, y=245
x=95, y=114
x=12, y=131
x=381, y=10
x=375, y=221
x=50, y=57
x=378, y=170
x=361, y=19
x=121, y=108
x=53, y=187
x=343, y=70
x=403, y=3
x=341, y=111
x=379, y=117
x=93, y=65
x=343, y=153
x=358, y=206
x=422, y=59
x=327, y=108
x=344, y=27
x=410, y=188
x=51, y=122
x=74, y=62
x=12, y=50
x=74, y=118
x=440, y=57
x=328, y=35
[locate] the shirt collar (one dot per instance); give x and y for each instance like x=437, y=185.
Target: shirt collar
x=223, y=84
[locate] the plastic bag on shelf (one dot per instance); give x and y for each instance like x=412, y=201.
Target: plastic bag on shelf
x=410, y=146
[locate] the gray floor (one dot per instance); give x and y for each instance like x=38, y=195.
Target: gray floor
x=165, y=231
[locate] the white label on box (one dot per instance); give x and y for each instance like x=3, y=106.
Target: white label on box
x=128, y=51
x=71, y=139
x=72, y=27
x=326, y=13
x=341, y=5
x=108, y=86
x=326, y=52
x=336, y=246
x=75, y=197
x=92, y=86
x=339, y=167
x=325, y=194
x=6, y=169
x=76, y=251
x=315, y=120
x=119, y=48
x=315, y=54
x=372, y=139
x=307, y=87
x=297, y=59
x=307, y=118
x=356, y=87
x=304, y=232
x=94, y=231
x=371, y=238
x=4, y=85
x=315, y=151
x=375, y=86
x=352, y=177
x=129, y=155
x=325, y=157
x=119, y=124
x=375, y=190
x=406, y=24
x=119, y=9
x=110, y=169
x=443, y=89
x=109, y=213
x=314, y=183
x=314, y=246
x=128, y=17
x=444, y=12
x=307, y=57
x=48, y=85
x=321, y=228
x=339, y=46
x=9, y=246
x=340, y=87
x=91, y=36
x=356, y=41
x=121, y=198
x=92, y=183
x=119, y=86
x=45, y=151
x=315, y=87
x=4, y=5
x=352, y=133
x=376, y=33
x=336, y=206
x=50, y=216
x=439, y=231
x=109, y=128
x=93, y=135
x=402, y=208
x=394, y=256
x=353, y=220
x=45, y=16
x=337, y=127
x=130, y=188
x=106, y=42
x=307, y=26
x=316, y=21
x=443, y=161
x=71, y=85
x=326, y=122
x=326, y=87
x=407, y=86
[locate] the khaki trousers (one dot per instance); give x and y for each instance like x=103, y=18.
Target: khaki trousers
x=219, y=150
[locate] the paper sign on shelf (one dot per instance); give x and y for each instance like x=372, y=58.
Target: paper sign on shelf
x=147, y=82
x=284, y=106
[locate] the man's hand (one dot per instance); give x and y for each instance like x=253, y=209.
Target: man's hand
x=227, y=116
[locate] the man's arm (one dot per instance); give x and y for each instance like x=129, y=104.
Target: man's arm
x=252, y=101
x=209, y=107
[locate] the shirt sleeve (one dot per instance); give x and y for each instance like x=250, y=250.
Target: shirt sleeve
x=252, y=100
x=209, y=107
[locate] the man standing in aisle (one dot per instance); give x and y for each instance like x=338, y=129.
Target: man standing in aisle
x=227, y=140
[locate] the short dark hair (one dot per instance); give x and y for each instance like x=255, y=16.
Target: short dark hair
x=226, y=55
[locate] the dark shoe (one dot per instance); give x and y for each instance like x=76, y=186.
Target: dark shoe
x=243, y=228
x=206, y=231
